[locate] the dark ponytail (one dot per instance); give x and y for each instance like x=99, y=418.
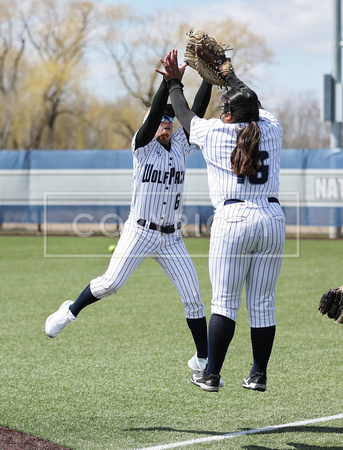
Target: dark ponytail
x=245, y=158
x=243, y=104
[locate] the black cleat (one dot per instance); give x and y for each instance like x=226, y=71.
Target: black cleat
x=210, y=383
x=256, y=382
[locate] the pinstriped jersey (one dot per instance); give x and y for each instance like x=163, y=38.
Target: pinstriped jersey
x=217, y=140
x=158, y=179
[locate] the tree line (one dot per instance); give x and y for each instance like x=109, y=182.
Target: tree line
x=55, y=55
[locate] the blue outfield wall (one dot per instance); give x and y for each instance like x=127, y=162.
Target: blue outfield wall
x=61, y=186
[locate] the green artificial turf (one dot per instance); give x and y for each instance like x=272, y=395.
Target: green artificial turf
x=117, y=378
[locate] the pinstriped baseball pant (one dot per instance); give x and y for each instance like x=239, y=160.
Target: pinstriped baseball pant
x=137, y=243
x=246, y=248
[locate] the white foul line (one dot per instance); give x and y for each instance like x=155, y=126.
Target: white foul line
x=242, y=433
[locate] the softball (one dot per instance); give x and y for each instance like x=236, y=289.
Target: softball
x=111, y=248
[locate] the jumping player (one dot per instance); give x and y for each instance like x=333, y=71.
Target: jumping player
x=242, y=150
x=153, y=228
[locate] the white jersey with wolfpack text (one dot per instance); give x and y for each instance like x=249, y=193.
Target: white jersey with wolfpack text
x=157, y=194
x=158, y=179
x=217, y=140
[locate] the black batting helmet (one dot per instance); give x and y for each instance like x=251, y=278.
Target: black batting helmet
x=242, y=103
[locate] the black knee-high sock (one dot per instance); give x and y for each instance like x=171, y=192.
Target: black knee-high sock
x=262, y=340
x=198, y=329
x=221, y=331
x=84, y=299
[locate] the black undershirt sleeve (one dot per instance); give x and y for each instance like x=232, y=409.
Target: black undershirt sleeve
x=202, y=99
x=180, y=105
x=234, y=82
x=148, y=129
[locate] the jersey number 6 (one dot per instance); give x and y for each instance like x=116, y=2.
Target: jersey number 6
x=177, y=201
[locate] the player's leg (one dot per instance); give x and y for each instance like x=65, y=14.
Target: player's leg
x=264, y=271
x=262, y=340
x=134, y=245
x=126, y=257
x=260, y=291
x=221, y=331
x=176, y=262
x=228, y=266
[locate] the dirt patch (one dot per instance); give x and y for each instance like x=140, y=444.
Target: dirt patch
x=17, y=440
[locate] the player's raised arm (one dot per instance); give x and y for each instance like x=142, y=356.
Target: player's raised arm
x=150, y=125
x=202, y=99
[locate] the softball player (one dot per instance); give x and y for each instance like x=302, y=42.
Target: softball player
x=242, y=150
x=153, y=228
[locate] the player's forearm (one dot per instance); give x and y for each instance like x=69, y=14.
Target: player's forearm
x=180, y=105
x=233, y=81
x=148, y=129
x=202, y=99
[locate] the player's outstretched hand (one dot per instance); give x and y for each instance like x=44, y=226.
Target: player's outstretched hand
x=171, y=67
